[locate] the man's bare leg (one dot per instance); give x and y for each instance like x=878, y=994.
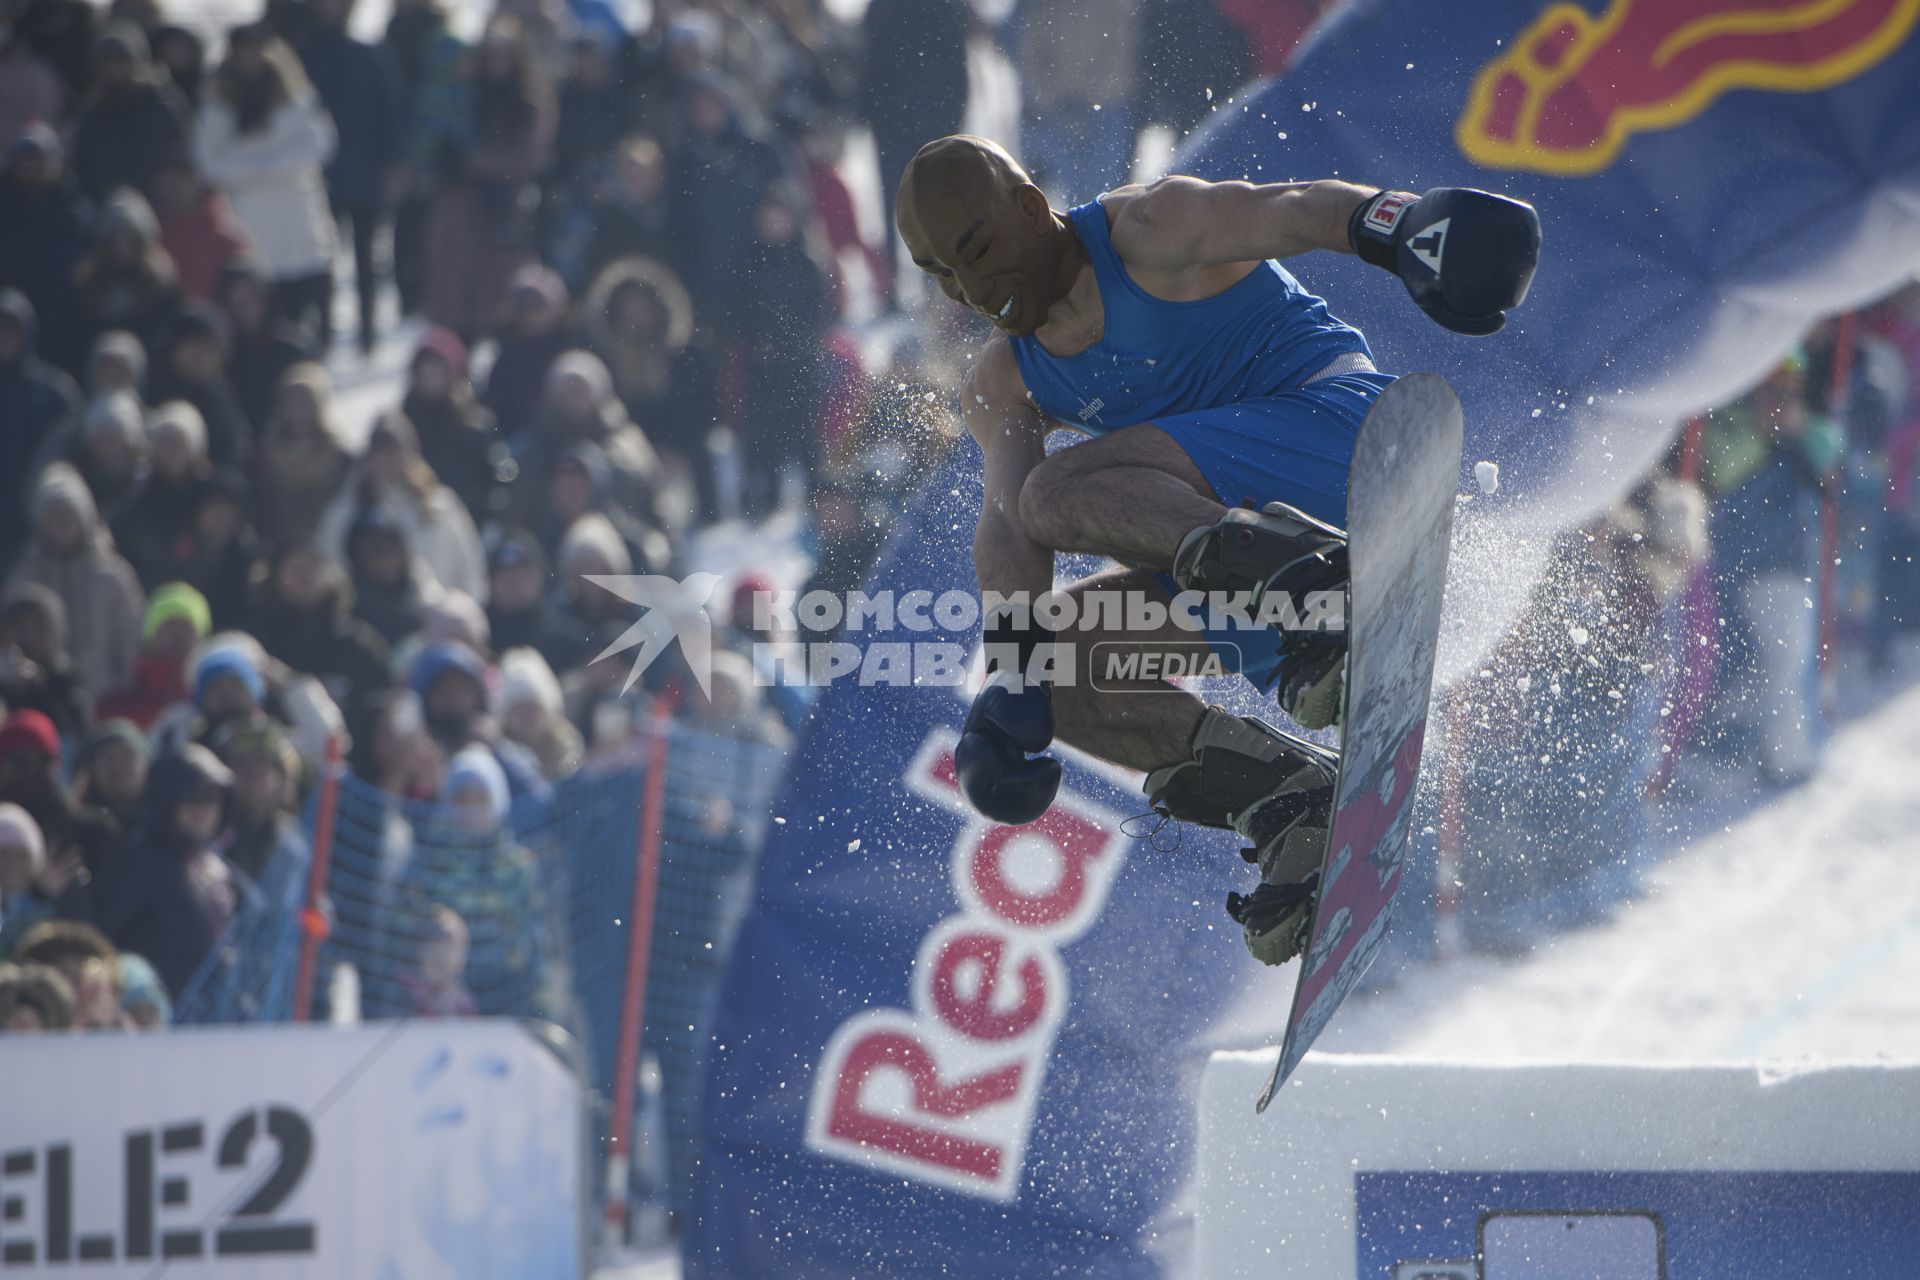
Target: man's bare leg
x=1131, y=495
x=1203, y=765
x=1140, y=724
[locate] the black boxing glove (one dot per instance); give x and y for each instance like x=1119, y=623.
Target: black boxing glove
x=1010, y=722
x=1465, y=256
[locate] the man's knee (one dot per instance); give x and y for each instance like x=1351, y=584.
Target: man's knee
x=1046, y=502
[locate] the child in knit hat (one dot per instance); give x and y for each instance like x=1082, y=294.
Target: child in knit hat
x=176, y=620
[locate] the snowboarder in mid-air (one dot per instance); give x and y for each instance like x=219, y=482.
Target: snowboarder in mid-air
x=1222, y=400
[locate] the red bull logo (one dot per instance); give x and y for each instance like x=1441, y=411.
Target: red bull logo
x=946, y=1092
x=1572, y=88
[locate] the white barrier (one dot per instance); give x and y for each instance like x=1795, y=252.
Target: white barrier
x=1386, y=1169
x=424, y=1150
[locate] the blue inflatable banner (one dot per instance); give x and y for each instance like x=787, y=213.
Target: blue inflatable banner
x=1712, y=177
x=947, y=1048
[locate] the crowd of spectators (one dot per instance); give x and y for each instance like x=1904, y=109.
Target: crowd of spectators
x=1692, y=644
x=640, y=297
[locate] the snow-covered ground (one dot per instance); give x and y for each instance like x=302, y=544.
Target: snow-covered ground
x=1791, y=933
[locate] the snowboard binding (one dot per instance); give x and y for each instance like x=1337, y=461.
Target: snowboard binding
x=1276, y=791
x=1282, y=549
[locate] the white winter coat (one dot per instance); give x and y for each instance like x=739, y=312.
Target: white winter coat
x=439, y=530
x=273, y=179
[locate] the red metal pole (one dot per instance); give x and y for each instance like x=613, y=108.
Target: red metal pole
x=1688, y=468
x=313, y=916
x=646, y=880
x=1844, y=338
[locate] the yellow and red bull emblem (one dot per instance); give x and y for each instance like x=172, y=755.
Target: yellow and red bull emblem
x=1572, y=88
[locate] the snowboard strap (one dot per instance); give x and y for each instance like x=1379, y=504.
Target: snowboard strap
x=1275, y=548
x=1238, y=762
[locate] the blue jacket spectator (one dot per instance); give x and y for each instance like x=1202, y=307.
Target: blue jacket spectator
x=466, y=859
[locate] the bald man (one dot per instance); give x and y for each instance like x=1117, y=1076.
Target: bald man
x=1221, y=401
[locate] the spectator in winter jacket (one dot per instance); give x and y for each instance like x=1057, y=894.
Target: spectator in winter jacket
x=468, y=861
x=60, y=31
x=46, y=227
x=261, y=345
x=435, y=983
x=303, y=615
x=76, y=840
x=482, y=225
x=580, y=483
x=177, y=620
x=360, y=89
x=539, y=328
x=132, y=118
x=719, y=171
x=154, y=528
x=596, y=111
x=263, y=136
x=452, y=683
x=458, y=436
x=783, y=307
x=34, y=1000
x=181, y=56
x=391, y=585
x=224, y=548
x=430, y=62
x=30, y=89
x=426, y=515
x=172, y=893
x=640, y=321
x=633, y=213
x=579, y=407
x=144, y=1005
x=533, y=713
x=88, y=963
x=110, y=774
x=198, y=228
x=35, y=672
x=35, y=398
x=228, y=687
x=193, y=369
x=735, y=708
x=583, y=610
x=303, y=465
x=106, y=444
x=519, y=588
x=127, y=279
x=72, y=554
x=117, y=361
x=264, y=840
x=23, y=863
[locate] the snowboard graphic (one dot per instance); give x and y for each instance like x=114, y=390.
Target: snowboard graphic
x=1400, y=493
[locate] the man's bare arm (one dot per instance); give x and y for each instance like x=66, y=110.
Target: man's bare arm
x=1182, y=222
x=1012, y=434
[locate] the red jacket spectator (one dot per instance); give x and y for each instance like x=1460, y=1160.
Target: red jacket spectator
x=197, y=228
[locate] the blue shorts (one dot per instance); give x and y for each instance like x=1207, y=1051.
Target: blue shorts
x=1295, y=448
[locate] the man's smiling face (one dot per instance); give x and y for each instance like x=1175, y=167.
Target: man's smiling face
x=975, y=222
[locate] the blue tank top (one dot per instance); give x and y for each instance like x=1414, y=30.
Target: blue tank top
x=1262, y=336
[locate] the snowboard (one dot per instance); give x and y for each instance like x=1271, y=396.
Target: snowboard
x=1400, y=496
